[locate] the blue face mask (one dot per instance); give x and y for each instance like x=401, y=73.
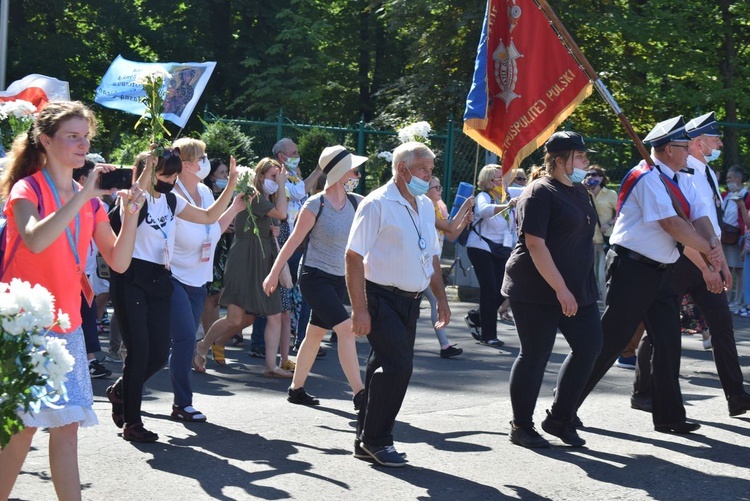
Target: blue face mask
x=713, y=155
x=221, y=183
x=577, y=176
x=592, y=182
x=417, y=186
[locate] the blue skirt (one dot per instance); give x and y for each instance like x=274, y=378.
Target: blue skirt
x=78, y=406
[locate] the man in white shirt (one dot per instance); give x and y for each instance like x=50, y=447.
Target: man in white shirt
x=392, y=257
x=640, y=264
x=693, y=276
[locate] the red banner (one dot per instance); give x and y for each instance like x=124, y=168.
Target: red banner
x=525, y=84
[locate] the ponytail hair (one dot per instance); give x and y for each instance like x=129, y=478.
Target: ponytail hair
x=27, y=156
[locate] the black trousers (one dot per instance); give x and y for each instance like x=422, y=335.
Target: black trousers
x=389, y=366
x=490, y=271
x=635, y=292
x=688, y=279
x=142, y=301
x=537, y=326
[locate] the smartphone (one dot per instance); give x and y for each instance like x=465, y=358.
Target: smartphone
x=122, y=179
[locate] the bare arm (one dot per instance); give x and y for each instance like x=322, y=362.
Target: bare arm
x=238, y=205
x=312, y=180
x=355, y=284
x=302, y=227
x=38, y=233
x=542, y=259
x=212, y=214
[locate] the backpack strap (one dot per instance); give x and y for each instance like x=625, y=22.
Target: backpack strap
x=171, y=202
x=40, y=209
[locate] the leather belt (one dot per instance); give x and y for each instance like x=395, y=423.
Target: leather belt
x=396, y=290
x=624, y=252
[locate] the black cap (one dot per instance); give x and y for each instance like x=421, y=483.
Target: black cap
x=566, y=141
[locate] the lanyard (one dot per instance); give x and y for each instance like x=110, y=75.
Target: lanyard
x=72, y=242
x=422, y=243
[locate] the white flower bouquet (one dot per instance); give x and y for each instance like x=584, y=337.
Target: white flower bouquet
x=246, y=187
x=419, y=131
x=28, y=359
x=16, y=117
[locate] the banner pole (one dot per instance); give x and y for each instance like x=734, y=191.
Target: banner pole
x=580, y=58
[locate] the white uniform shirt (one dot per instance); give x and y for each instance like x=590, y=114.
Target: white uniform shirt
x=149, y=238
x=703, y=187
x=386, y=232
x=186, y=263
x=637, y=226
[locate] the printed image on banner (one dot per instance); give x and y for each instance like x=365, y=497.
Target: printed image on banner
x=119, y=90
x=525, y=82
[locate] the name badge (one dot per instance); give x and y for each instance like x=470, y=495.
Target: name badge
x=206, y=251
x=87, y=289
x=426, y=262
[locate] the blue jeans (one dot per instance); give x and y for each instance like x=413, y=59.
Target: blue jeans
x=187, y=306
x=257, y=338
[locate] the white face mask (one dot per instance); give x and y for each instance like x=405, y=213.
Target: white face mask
x=351, y=184
x=204, y=167
x=292, y=163
x=270, y=186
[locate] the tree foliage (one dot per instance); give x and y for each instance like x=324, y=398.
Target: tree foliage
x=389, y=61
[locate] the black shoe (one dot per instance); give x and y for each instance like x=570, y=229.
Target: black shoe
x=642, y=403
x=476, y=331
x=576, y=421
x=738, y=404
x=137, y=433
x=450, y=351
x=564, y=430
x=678, y=428
x=118, y=406
x=386, y=455
x=97, y=370
x=359, y=452
x=493, y=343
x=358, y=399
x=301, y=397
x=527, y=437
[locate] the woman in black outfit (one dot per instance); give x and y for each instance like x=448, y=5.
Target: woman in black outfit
x=550, y=282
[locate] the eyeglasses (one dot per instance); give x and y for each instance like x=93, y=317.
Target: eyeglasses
x=520, y=178
x=438, y=188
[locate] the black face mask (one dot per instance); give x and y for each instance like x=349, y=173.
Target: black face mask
x=163, y=186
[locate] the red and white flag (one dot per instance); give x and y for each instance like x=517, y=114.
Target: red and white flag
x=525, y=82
x=38, y=90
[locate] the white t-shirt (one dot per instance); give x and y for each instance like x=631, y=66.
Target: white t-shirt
x=158, y=225
x=186, y=263
x=386, y=232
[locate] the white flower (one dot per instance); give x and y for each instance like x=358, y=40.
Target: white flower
x=18, y=109
x=63, y=320
x=60, y=362
x=419, y=131
x=151, y=76
x=11, y=325
x=386, y=155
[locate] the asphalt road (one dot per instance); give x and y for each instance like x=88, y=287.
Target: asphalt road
x=453, y=426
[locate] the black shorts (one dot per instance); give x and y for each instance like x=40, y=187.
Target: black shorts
x=325, y=295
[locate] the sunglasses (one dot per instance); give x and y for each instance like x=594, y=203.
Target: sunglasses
x=592, y=174
x=520, y=178
x=161, y=151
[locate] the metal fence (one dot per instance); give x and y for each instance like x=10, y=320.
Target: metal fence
x=457, y=155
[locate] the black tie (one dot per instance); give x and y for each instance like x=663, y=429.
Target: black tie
x=716, y=196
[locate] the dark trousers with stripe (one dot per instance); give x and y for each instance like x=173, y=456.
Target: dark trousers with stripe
x=389, y=366
x=688, y=279
x=635, y=292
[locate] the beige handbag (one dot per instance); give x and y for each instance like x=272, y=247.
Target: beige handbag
x=285, y=277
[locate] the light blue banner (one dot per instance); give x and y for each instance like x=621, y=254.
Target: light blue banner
x=119, y=90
